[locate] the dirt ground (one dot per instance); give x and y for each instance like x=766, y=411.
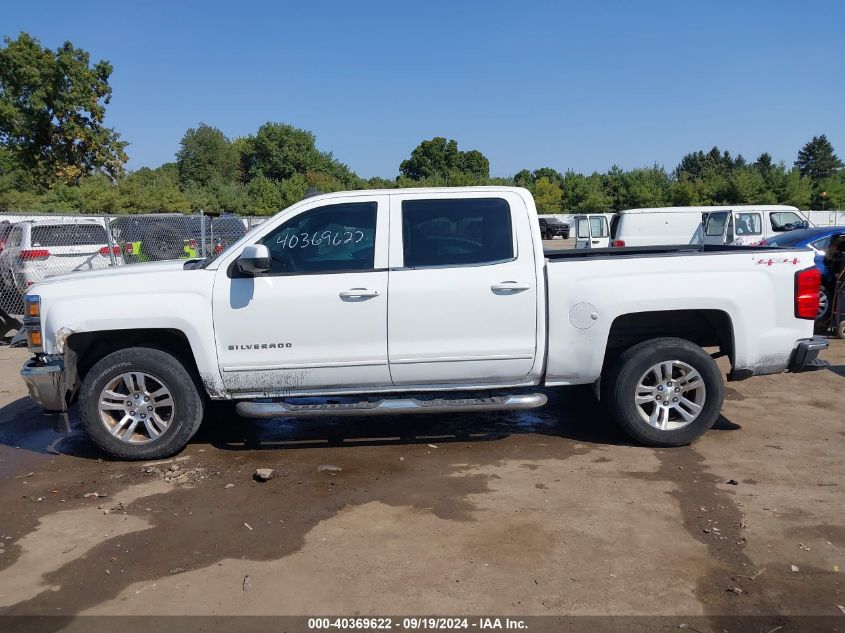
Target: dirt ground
x=545, y=512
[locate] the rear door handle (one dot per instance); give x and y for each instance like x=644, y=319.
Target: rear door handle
x=358, y=293
x=595, y=241
x=510, y=286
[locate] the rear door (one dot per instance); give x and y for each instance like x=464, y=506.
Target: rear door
x=463, y=289
x=591, y=231
x=718, y=228
x=599, y=232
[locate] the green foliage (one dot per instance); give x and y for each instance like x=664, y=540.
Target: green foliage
x=57, y=155
x=817, y=160
x=441, y=162
x=547, y=195
x=206, y=156
x=52, y=108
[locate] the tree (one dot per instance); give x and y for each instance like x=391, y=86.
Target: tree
x=523, y=178
x=278, y=151
x=52, y=111
x=205, y=156
x=441, y=159
x=547, y=195
x=817, y=160
x=698, y=164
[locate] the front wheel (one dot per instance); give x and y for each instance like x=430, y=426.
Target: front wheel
x=664, y=392
x=140, y=403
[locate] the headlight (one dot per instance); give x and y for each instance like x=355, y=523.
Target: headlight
x=32, y=322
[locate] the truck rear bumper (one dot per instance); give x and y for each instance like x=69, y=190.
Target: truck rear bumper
x=46, y=382
x=805, y=355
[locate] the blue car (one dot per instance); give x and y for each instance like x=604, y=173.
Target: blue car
x=828, y=243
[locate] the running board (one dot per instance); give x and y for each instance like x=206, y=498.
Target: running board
x=396, y=406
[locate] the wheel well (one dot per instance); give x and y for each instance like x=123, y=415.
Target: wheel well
x=90, y=347
x=705, y=328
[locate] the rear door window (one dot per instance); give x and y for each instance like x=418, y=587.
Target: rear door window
x=68, y=235
x=583, y=228
x=456, y=232
x=598, y=226
x=716, y=224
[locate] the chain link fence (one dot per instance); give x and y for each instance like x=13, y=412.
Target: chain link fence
x=37, y=246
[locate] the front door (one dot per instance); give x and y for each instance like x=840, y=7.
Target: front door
x=318, y=319
x=463, y=290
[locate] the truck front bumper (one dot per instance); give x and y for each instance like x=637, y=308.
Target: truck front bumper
x=46, y=380
x=805, y=355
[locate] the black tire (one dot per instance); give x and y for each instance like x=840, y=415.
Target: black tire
x=169, y=371
x=162, y=242
x=619, y=384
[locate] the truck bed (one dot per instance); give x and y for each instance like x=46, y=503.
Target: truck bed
x=654, y=251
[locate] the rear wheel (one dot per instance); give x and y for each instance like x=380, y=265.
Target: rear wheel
x=140, y=403
x=664, y=392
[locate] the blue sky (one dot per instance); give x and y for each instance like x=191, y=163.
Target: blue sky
x=580, y=85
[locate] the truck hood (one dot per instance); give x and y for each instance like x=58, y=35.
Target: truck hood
x=117, y=271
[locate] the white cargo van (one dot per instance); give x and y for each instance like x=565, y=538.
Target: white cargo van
x=728, y=224
x=655, y=226
x=591, y=231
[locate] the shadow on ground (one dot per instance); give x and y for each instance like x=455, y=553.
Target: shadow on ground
x=571, y=413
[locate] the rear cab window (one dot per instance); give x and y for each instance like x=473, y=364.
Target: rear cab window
x=456, y=232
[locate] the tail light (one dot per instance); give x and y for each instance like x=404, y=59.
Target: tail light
x=33, y=254
x=618, y=243
x=218, y=249
x=105, y=250
x=807, y=286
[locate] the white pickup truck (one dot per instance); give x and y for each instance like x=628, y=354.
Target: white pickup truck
x=414, y=301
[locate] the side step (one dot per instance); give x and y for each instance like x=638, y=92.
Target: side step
x=393, y=406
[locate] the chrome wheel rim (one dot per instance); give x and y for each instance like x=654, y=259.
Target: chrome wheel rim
x=823, y=304
x=136, y=407
x=670, y=395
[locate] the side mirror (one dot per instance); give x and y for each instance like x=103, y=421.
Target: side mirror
x=254, y=259
x=805, y=224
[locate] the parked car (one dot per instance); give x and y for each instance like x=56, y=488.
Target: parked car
x=403, y=301
x=163, y=236
x=551, y=228
x=825, y=243
x=35, y=250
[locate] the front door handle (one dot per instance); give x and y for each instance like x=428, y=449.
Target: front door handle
x=510, y=286
x=358, y=293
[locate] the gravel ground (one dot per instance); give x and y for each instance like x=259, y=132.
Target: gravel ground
x=546, y=512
